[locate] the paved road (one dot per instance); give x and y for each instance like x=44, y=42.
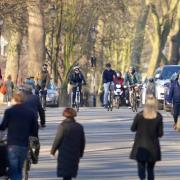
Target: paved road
x=109, y=142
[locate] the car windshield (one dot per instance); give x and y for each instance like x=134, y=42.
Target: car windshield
x=51, y=86
x=167, y=72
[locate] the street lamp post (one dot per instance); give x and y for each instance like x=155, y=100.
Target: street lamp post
x=93, y=63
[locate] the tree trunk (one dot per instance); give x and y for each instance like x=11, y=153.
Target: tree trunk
x=139, y=35
x=175, y=40
x=154, y=56
x=36, y=38
x=13, y=56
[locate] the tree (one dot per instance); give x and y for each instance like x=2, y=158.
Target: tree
x=36, y=36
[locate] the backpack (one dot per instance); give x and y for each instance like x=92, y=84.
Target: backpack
x=3, y=89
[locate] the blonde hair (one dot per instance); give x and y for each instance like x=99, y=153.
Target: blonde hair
x=150, y=108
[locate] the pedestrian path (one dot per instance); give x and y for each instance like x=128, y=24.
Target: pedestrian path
x=109, y=141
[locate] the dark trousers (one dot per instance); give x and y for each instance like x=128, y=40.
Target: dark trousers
x=143, y=166
x=67, y=178
x=176, y=109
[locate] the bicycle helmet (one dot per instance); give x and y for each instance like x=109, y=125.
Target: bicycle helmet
x=151, y=79
x=76, y=67
x=118, y=74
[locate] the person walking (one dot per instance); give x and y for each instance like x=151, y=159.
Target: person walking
x=42, y=83
x=70, y=142
x=148, y=125
x=9, y=86
x=21, y=124
x=108, y=76
x=174, y=98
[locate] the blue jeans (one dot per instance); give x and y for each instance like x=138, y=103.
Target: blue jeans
x=17, y=155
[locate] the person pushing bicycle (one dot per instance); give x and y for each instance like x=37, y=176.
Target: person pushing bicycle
x=43, y=80
x=76, y=78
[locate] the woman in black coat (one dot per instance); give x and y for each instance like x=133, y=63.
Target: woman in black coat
x=70, y=143
x=148, y=126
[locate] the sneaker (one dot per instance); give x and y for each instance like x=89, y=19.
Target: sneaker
x=129, y=107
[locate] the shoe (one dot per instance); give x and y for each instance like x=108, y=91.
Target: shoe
x=73, y=105
x=127, y=101
x=129, y=107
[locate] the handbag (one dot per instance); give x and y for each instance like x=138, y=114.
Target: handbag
x=3, y=89
x=178, y=124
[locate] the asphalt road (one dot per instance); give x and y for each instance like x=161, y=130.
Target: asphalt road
x=109, y=141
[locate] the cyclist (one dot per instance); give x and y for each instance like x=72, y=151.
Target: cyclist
x=132, y=78
x=118, y=79
x=108, y=76
x=43, y=80
x=76, y=78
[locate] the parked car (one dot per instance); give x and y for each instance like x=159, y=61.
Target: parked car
x=52, y=98
x=162, y=79
x=167, y=86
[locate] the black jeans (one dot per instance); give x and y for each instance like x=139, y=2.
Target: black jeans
x=67, y=178
x=176, y=109
x=143, y=166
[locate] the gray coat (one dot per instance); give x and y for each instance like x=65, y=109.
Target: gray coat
x=70, y=143
x=146, y=145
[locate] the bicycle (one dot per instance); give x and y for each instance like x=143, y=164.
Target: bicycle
x=77, y=101
x=31, y=157
x=42, y=97
x=110, y=98
x=135, y=97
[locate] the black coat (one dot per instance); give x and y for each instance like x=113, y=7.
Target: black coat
x=32, y=102
x=70, y=143
x=146, y=145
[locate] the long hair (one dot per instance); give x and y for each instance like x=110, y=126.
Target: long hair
x=150, y=108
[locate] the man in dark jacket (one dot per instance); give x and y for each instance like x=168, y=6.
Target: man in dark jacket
x=76, y=79
x=108, y=76
x=174, y=97
x=32, y=101
x=21, y=124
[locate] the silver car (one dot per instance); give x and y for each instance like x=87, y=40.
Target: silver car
x=52, y=98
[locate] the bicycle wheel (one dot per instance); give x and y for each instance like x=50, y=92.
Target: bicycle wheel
x=77, y=101
x=111, y=102
x=135, y=103
x=132, y=102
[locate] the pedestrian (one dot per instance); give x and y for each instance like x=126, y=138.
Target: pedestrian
x=70, y=143
x=32, y=102
x=9, y=86
x=21, y=123
x=174, y=98
x=107, y=77
x=148, y=125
